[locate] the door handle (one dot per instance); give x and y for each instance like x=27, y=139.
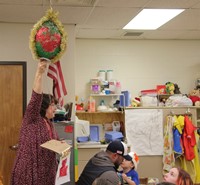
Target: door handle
x=14, y=147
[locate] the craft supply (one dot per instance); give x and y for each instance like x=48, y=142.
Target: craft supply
x=109, y=75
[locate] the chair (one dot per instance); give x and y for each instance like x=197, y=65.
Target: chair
x=143, y=180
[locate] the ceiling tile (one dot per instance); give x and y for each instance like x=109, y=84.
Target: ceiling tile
x=106, y=18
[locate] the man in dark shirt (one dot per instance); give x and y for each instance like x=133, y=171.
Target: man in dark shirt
x=104, y=164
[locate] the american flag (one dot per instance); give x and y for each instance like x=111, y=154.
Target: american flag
x=59, y=89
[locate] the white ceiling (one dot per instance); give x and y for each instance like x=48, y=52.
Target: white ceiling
x=106, y=18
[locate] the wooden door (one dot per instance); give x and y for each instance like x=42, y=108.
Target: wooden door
x=13, y=103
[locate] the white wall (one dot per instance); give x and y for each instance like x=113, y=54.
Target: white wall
x=14, y=46
x=138, y=64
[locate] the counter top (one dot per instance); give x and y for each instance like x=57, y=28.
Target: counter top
x=157, y=107
x=103, y=146
x=92, y=145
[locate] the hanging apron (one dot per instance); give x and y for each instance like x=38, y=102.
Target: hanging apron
x=168, y=154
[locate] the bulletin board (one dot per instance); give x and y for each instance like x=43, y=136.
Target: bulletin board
x=144, y=131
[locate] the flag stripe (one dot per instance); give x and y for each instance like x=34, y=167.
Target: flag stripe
x=59, y=89
x=56, y=87
x=56, y=73
x=62, y=80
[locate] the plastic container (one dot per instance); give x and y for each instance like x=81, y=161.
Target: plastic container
x=102, y=75
x=112, y=86
x=125, y=99
x=109, y=75
x=92, y=105
x=107, y=91
x=94, y=133
x=95, y=86
x=82, y=139
x=113, y=135
x=118, y=88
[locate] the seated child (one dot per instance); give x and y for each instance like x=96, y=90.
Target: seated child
x=129, y=174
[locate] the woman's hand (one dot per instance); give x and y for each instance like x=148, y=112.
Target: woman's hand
x=37, y=86
x=42, y=65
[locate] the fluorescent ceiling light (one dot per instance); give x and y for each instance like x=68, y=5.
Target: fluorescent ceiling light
x=151, y=19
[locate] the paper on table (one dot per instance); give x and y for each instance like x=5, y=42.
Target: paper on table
x=60, y=147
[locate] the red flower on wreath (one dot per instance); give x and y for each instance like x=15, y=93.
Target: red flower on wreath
x=49, y=40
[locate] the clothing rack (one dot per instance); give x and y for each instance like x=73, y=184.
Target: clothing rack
x=187, y=112
x=179, y=156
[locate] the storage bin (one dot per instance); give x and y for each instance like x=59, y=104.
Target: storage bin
x=102, y=75
x=125, y=99
x=161, y=89
x=113, y=135
x=94, y=133
x=149, y=101
x=82, y=139
x=149, y=92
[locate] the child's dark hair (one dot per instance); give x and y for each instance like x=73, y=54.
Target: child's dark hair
x=47, y=100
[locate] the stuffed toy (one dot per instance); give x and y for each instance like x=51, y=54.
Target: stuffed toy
x=135, y=102
x=176, y=89
x=170, y=88
x=194, y=95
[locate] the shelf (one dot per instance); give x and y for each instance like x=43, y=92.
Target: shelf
x=111, y=112
x=198, y=120
x=101, y=117
x=110, y=100
x=105, y=95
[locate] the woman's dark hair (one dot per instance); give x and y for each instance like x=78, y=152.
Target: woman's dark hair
x=47, y=100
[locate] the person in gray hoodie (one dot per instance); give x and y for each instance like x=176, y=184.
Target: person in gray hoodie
x=104, y=165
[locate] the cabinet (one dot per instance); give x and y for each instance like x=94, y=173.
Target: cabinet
x=85, y=154
x=102, y=118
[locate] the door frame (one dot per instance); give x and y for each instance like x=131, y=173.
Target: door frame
x=24, y=85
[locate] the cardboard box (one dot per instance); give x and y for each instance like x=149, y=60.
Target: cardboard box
x=60, y=147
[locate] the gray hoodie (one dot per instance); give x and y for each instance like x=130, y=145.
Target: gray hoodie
x=99, y=166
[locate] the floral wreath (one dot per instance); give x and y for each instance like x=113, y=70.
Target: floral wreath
x=48, y=38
